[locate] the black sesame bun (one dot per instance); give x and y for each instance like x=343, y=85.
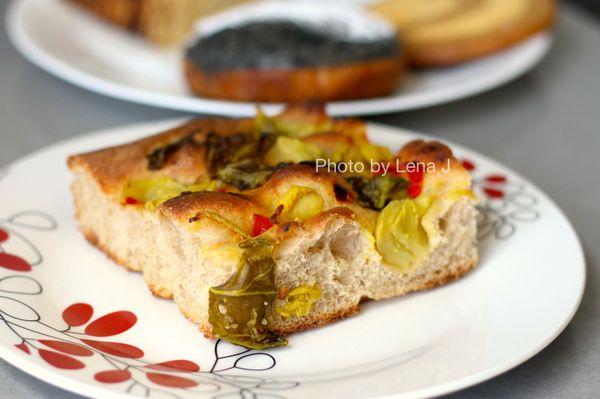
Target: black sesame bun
x=347, y=55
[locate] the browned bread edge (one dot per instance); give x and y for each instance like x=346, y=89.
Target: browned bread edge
x=364, y=79
x=124, y=13
x=450, y=53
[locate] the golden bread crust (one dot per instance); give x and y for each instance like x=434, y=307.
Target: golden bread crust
x=451, y=53
x=430, y=152
x=538, y=16
x=363, y=79
x=238, y=208
x=123, y=13
x=111, y=167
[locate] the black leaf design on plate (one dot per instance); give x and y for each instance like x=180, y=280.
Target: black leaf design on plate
x=22, y=285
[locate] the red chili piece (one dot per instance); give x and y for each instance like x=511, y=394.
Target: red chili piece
x=416, y=176
x=341, y=194
x=260, y=224
x=397, y=169
x=414, y=189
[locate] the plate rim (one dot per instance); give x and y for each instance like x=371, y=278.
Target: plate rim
x=74, y=385
x=77, y=77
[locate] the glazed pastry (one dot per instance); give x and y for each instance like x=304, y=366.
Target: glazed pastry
x=448, y=32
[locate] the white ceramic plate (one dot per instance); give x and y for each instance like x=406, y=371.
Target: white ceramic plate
x=524, y=292
x=82, y=50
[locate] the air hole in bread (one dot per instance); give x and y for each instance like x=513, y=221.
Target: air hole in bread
x=318, y=247
x=344, y=243
x=442, y=224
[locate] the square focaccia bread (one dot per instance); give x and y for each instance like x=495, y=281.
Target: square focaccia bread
x=241, y=223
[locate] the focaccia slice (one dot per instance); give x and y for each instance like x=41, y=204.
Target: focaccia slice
x=233, y=220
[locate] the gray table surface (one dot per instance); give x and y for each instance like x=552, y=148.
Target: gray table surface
x=544, y=125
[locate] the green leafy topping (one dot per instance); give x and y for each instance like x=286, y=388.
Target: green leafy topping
x=159, y=157
x=376, y=192
x=240, y=308
x=299, y=301
x=224, y=150
x=245, y=174
x=219, y=219
x=235, y=159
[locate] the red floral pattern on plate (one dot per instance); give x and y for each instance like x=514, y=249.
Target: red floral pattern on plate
x=504, y=203
x=67, y=349
x=10, y=231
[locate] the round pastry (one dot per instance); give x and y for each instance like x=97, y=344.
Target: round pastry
x=283, y=59
x=448, y=32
